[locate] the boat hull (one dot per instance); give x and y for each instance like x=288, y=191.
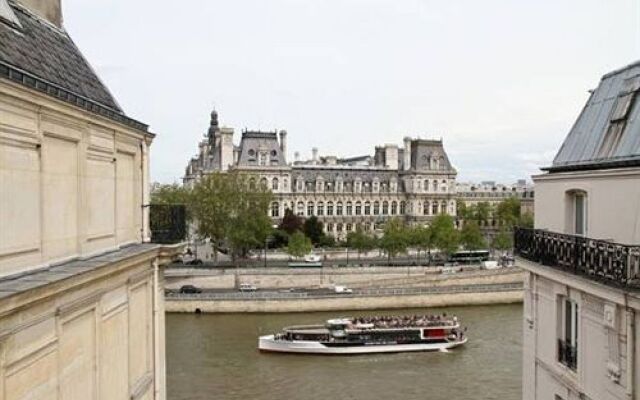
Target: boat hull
x=268, y=343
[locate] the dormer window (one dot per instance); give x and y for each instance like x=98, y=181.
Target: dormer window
x=7, y=15
x=619, y=115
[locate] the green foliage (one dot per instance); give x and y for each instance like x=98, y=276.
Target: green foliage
x=471, y=237
x=444, y=235
x=395, y=239
x=173, y=193
x=327, y=241
x=526, y=220
x=361, y=241
x=508, y=211
x=312, y=228
x=503, y=240
x=280, y=238
x=290, y=222
x=482, y=211
x=299, y=245
x=421, y=237
x=226, y=210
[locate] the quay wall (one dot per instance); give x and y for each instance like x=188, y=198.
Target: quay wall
x=343, y=303
x=280, y=278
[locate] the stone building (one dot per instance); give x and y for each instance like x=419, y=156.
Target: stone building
x=81, y=289
x=582, y=303
x=494, y=193
x=415, y=181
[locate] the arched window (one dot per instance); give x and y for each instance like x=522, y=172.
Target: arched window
x=339, y=227
x=285, y=184
x=330, y=208
x=435, y=186
x=426, y=185
x=367, y=208
x=425, y=208
x=394, y=208
x=263, y=183
x=320, y=210
x=275, y=209
x=385, y=208
x=403, y=208
x=274, y=184
x=358, y=208
x=252, y=184
x=310, y=208
x=376, y=208
x=300, y=208
x=443, y=207
x=444, y=185
x=434, y=208
x=349, y=208
x=339, y=208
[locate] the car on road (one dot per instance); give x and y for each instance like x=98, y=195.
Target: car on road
x=312, y=258
x=342, y=289
x=190, y=289
x=247, y=287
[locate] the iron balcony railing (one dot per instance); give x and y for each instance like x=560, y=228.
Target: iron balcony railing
x=611, y=263
x=567, y=354
x=168, y=223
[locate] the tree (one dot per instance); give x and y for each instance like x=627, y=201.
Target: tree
x=471, y=237
x=526, y=220
x=299, y=245
x=227, y=211
x=312, y=228
x=395, y=238
x=327, y=241
x=173, y=193
x=444, y=234
x=482, y=211
x=503, y=240
x=508, y=211
x=360, y=241
x=290, y=222
x=421, y=237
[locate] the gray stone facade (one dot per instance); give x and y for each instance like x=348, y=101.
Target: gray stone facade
x=414, y=182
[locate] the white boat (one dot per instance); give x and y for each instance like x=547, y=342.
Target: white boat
x=368, y=335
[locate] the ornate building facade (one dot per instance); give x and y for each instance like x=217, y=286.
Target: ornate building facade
x=415, y=182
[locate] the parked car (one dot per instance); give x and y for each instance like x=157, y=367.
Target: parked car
x=190, y=289
x=312, y=258
x=247, y=287
x=342, y=290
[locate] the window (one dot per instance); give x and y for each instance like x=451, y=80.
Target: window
x=385, y=208
x=320, y=209
x=435, y=186
x=339, y=227
x=394, y=208
x=367, y=208
x=330, y=208
x=329, y=227
x=275, y=209
x=434, y=208
x=403, y=208
x=252, y=184
x=262, y=158
x=285, y=184
x=443, y=207
x=339, y=208
x=444, y=185
x=619, y=115
x=568, y=332
x=274, y=184
x=263, y=183
x=376, y=208
x=300, y=208
x=310, y=208
x=349, y=227
x=426, y=185
x=577, y=211
x=349, y=208
x=358, y=208
x=425, y=208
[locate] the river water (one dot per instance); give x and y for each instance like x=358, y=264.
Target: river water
x=216, y=357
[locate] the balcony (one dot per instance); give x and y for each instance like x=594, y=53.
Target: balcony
x=168, y=223
x=567, y=354
x=611, y=263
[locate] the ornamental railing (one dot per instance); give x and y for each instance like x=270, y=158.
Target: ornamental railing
x=168, y=223
x=567, y=354
x=611, y=263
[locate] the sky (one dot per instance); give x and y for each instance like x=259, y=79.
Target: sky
x=501, y=82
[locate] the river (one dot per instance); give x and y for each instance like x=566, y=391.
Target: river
x=215, y=357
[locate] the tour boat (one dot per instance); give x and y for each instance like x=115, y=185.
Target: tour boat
x=361, y=335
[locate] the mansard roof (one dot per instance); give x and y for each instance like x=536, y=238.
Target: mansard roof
x=253, y=143
x=41, y=56
x=607, y=131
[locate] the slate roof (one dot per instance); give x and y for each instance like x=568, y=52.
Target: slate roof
x=607, y=131
x=255, y=142
x=43, y=57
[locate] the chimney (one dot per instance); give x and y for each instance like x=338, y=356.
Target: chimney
x=407, y=153
x=314, y=155
x=51, y=10
x=283, y=143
